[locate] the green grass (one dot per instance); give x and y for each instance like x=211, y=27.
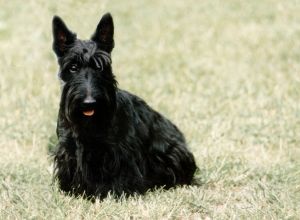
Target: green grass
x=226, y=72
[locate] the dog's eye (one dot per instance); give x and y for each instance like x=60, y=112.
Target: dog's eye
x=73, y=68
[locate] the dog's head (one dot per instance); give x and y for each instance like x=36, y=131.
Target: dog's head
x=88, y=84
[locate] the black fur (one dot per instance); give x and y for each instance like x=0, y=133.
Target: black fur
x=124, y=146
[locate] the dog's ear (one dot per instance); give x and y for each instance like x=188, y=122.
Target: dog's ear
x=62, y=36
x=104, y=34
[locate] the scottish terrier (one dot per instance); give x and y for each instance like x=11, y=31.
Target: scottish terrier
x=109, y=140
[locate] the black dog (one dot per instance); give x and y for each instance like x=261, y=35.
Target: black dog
x=110, y=140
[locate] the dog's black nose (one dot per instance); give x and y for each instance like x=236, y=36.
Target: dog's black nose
x=88, y=102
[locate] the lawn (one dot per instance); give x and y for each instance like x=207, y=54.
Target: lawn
x=226, y=72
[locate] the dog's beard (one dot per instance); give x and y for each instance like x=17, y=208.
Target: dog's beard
x=90, y=125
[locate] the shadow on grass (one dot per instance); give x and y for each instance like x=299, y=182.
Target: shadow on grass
x=52, y=143
x=198, y=179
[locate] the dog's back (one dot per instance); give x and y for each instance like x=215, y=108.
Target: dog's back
x=160, y=140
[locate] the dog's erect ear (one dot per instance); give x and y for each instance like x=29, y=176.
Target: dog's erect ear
x=62, y=36
x=104, y=34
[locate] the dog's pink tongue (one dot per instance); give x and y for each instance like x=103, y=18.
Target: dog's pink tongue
x=89, y=113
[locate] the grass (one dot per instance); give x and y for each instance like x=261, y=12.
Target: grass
x=226, y=72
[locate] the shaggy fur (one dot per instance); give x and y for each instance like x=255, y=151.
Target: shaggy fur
x=110, y=140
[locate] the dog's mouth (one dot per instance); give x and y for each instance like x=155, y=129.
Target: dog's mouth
x=88, y=109
x=89, y=112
